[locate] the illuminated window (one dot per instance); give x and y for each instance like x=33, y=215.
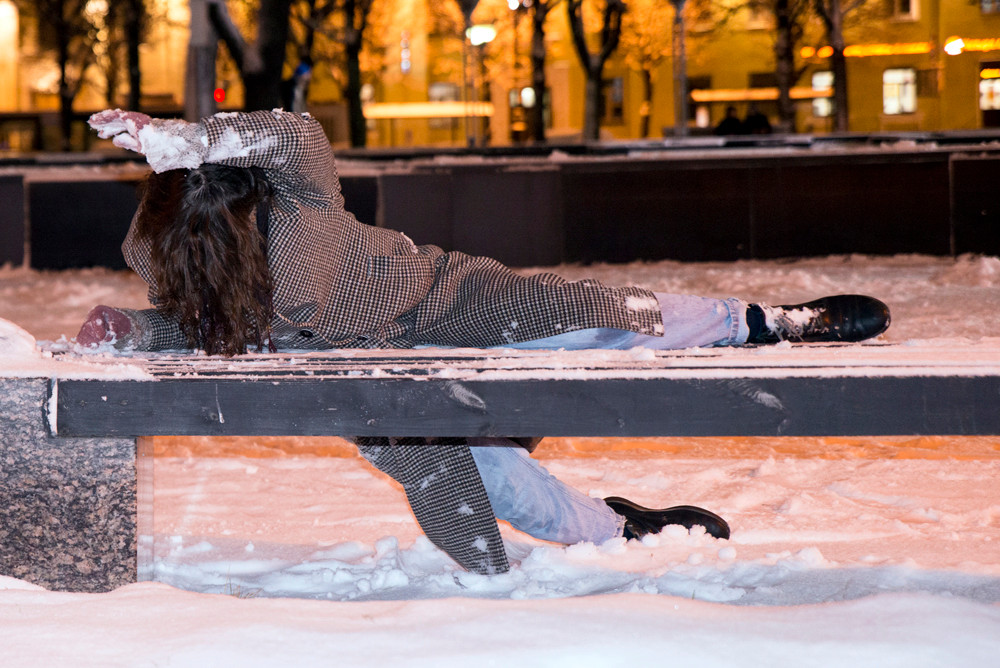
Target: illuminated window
x=907, y=10
x=989, y=94
x=989, y=6
x=822, y=106
x=989, y=86
x=899, y=91
x=443, y=91
x=613, y=101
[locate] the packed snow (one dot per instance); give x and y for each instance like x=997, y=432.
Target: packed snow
x=845, y=551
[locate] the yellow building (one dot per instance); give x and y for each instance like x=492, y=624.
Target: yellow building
x=924, y=65
x=927, y=65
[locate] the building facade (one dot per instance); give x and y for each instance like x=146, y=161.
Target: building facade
x=918, y=65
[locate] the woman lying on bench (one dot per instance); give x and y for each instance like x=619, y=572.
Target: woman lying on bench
x=244, y=241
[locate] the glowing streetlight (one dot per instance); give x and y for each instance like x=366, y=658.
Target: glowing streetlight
x=481, y=34
x=954, y=46
x=477, y=36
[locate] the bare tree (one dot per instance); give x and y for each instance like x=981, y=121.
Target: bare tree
x=593, y=63
x=540, y=10
x=646, y=42
x=790, y=18
x=69, y=28
x=679, y=59
x=355, y=14
x=120, y=32
x=833, y=14
x=342, y=23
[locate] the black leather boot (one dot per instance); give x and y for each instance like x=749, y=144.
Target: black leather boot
x=640, y=521
x=836, y=318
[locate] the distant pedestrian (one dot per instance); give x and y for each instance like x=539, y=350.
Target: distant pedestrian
x=756, y=122
x=731, y=124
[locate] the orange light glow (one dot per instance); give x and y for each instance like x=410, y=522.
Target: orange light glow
x=427, y=109
x=899, y=49
x=990, y=73
x=755, y=94
x=990, y=44
x=868, y=50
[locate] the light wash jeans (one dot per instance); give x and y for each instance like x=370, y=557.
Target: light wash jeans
x=534, y=501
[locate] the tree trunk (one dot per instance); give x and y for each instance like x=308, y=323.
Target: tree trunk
x=262, y=75
x=647, y=103
x=680, y=71
x=593, y=64
x=134, y=14
x=840, y=110
x=199, y=80
x=66, y=93
x=352, y=90
x=832, y=15
x=592, y=105
x=538, y=82
x=784, y=60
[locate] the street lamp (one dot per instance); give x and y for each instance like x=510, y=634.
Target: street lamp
x=520, y=99
x=478, y=36
x=481, y=34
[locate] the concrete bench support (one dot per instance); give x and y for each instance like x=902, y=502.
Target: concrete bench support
x=68, y=511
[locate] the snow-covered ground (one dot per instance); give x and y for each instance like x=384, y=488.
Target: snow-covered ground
x=845, y=552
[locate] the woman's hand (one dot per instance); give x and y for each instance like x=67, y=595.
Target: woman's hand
x=104, y=324
x=123, y=127
x=166, y=143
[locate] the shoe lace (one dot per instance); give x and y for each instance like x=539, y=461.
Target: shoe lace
x=789, y=324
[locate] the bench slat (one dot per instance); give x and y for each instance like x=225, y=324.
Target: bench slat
x=437, y=406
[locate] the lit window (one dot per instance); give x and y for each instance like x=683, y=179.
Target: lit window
x=989, y=6
x=989, y=94
x=899, y=91
x=822, y=106
x=702, y=116
x=907, y=9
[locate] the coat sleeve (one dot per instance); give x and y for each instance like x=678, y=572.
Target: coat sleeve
x=293, y=144
x=152, y=330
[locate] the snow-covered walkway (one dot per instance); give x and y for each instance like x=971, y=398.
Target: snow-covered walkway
x=845, y=552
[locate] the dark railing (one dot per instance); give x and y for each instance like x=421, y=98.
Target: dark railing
x=701, y=199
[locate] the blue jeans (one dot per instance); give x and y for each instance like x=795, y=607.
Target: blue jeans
x=688, y=322
x=534, y=501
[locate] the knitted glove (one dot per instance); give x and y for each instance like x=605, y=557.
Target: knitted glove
x=167, y=144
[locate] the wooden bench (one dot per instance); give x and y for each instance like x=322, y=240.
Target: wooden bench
x=76, y=487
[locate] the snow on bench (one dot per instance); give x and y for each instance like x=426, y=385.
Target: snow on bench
x=76, y=474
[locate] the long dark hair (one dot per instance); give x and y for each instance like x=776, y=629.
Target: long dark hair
x=209, y=260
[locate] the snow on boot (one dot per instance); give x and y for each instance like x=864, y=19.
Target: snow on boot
x=836, y=318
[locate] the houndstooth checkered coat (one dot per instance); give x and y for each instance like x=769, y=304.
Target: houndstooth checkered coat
x=342, y=284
